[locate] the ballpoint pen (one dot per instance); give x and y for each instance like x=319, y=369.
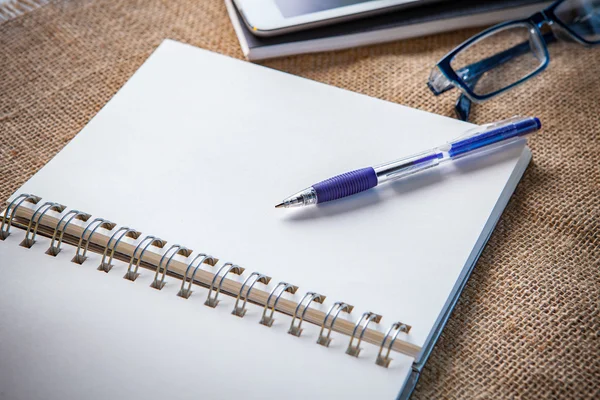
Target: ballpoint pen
x=475, y=141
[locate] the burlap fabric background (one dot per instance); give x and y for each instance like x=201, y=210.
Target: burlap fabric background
x=528, y=324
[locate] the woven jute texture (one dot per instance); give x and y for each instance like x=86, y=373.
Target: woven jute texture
x=528, y=323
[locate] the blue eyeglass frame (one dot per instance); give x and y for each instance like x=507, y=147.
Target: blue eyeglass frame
x=476, y=70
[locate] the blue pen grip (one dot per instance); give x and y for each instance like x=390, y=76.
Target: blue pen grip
x=345, y=184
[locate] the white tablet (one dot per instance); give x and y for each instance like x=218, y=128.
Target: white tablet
x=275, y=17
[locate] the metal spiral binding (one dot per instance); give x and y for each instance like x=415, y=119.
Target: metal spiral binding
x=106, y=266
x=311, y=296
x=204, y=258
x=71, y=215
x=228, y=267
x=398, y=327
x=182, y=251
x=338, y=306
x=258, y=277
x=30, y=198
x=99, y=223
x=150, y=241
x=44, y=208
x=267, y=320
x=367, y=317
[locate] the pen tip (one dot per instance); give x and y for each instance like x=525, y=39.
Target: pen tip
x=280, y=205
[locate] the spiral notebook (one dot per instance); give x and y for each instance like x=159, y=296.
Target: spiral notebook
x=146, y=260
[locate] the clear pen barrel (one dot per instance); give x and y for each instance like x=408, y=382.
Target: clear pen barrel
x=407, y=166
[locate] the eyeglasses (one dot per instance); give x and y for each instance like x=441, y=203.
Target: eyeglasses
x=508, y=54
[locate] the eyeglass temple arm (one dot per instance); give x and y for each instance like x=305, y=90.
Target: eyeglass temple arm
x=476, y=70
x=463, y=104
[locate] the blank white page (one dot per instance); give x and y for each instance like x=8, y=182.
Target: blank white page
x=197, y=148
x=73, y=332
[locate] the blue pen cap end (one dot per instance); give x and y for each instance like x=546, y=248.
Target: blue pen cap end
x=527, y=126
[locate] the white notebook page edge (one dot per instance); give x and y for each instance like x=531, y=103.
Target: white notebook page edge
x=479, y=247
x=150, y=154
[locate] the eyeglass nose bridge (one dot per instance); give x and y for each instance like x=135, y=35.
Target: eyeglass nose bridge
x=540, y=19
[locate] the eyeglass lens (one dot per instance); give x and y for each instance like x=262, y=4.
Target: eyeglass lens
x=500, y=59
x=582, y=17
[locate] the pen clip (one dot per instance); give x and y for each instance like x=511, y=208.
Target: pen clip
x=488, y=127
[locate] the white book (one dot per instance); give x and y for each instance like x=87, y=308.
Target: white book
x=422, y=20
x=197, y=148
